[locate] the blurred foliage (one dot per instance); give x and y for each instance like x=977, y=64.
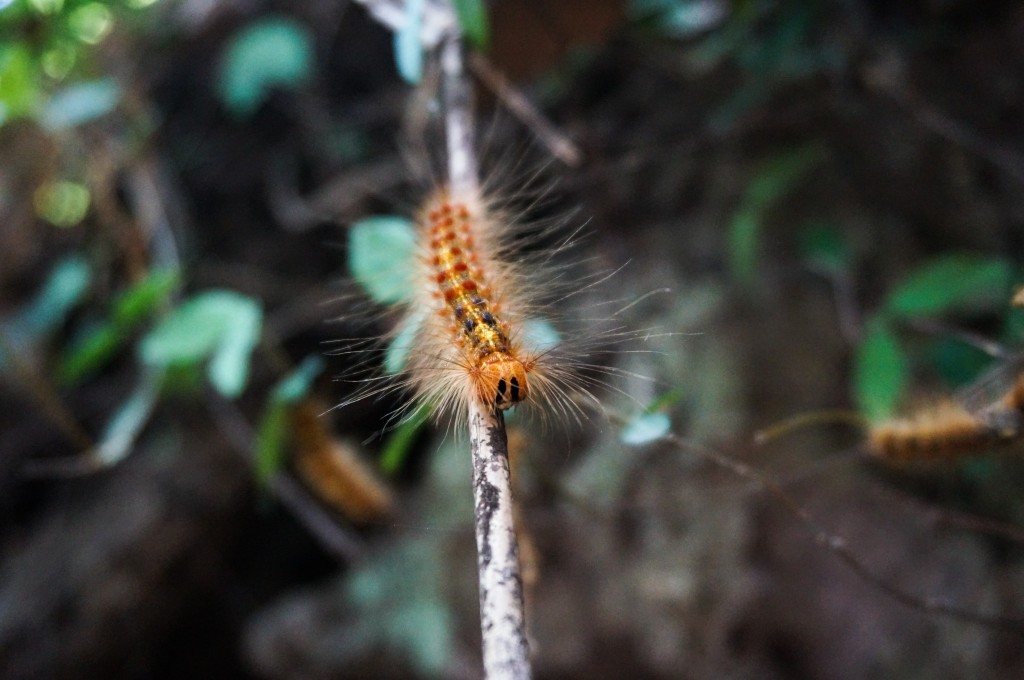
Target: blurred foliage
x=950, y=284
x=381, y=255
x=220, y=325
x=772, y=180
x=272, y=431
x=44, y=43
x=98, y=343
x=473, y=21
x=265, y=54
x=63, y=290
x=408, y=47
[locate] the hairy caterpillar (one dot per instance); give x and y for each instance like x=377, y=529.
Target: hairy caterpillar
x=944, y=431
x=986, y=415
x=474, y=309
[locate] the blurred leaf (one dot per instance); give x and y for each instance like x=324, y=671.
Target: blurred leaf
x=89, y=352
x=128, y=421
x=776, y=176
x=956, y=361
x=270, y=439
x=397, y=353
x=880, y=371
x=145, y=296
x=645, y=428
x=64, y=289
x=62, y=203
x=381, y=256
x=220, y=324
x=823, y=248
x=678, y=18
x=956, y=282
x=273, y=428
x=772, y=180
x=19, y=86
x=744, y=234
x=408, y=47
x=472, y=16
x=266, y=54
x=80, y=103
x=296, y=385
x=399, y=443
x=91, y=22
x=98, y=344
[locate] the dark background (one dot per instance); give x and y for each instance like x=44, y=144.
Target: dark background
x=649, y=561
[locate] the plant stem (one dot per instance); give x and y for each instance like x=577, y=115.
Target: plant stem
x=502, y=623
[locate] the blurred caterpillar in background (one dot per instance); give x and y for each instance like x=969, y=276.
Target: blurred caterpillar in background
x=974, y=423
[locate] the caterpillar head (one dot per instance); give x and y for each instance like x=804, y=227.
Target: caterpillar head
x=502, y=381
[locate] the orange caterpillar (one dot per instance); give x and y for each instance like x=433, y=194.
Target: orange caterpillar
x=942, y=432
x=470, y=303
x=497, y=374
x=334, y=471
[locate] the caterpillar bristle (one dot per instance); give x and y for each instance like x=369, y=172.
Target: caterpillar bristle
x=942, y=432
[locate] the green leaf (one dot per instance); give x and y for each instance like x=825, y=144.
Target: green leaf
x=823, y=248
x=958, y=362
x=744, y=234
x=80, y=103
x=381, y=257
x=219, y=324
x=772, y=180
x=957, y=282
x=93, y=348
x=408, y=47
x=472, y=15
x=145, y=296
x=266, y=54
x=880, y=371
x=19, y=82
x=270, y=438
x=399, y=443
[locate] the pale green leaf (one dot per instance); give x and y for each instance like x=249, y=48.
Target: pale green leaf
x=267, y=54
x=645, y=428
x=408, y=47
x=381, y=257
x=219, y=324
x=80, y=103
x=297, y=384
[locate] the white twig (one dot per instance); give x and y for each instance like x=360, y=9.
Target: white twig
x=502, y=623
x=505, y=652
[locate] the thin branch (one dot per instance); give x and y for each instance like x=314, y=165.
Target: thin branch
x=560, y=146
x=502, y=622
x=506, y=653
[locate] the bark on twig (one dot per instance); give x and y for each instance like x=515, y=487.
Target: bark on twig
x=502, y=623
